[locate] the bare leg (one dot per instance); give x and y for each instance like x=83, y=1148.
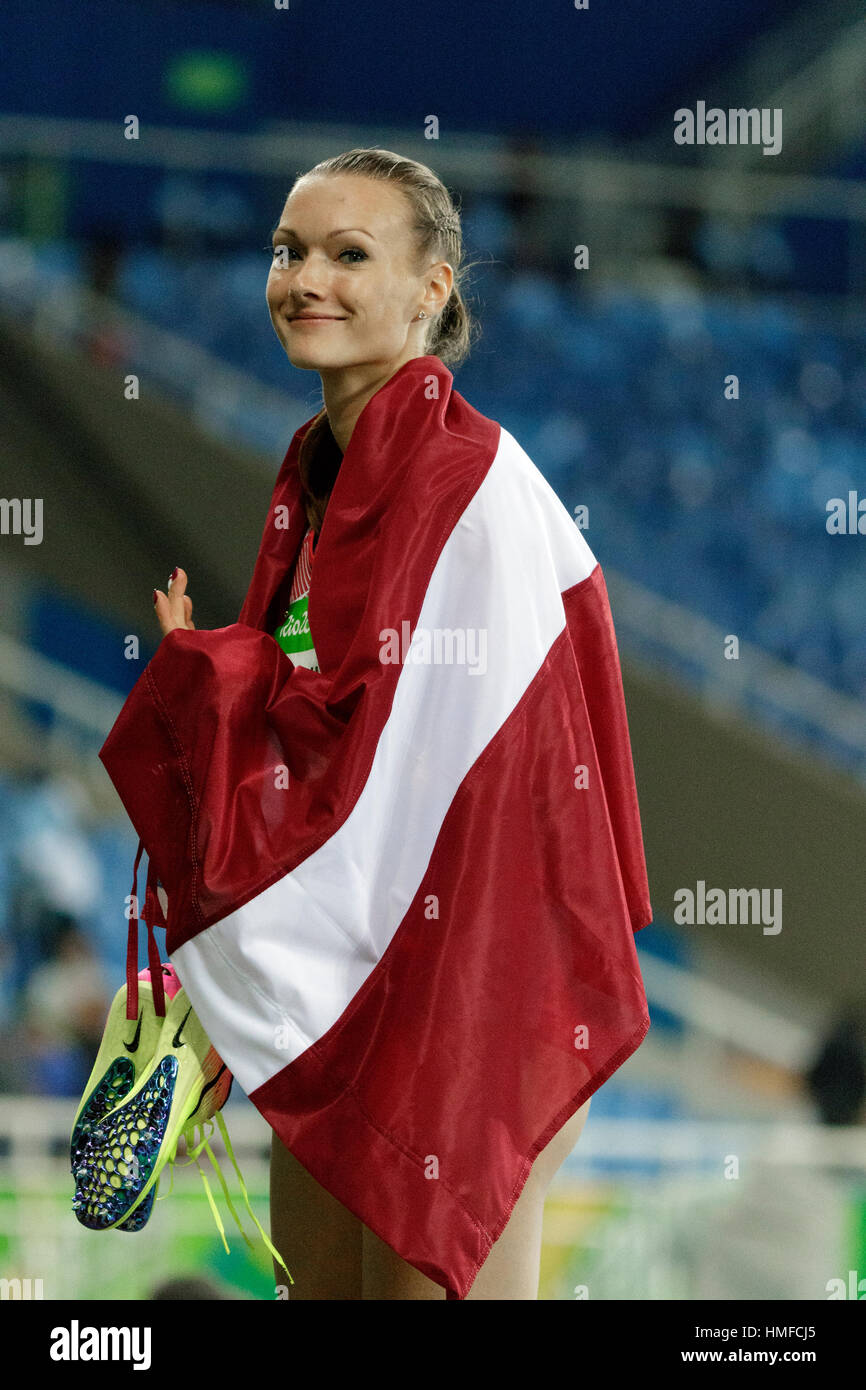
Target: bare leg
x=511, y=1270
x=386, y=1275
x=319, y=1238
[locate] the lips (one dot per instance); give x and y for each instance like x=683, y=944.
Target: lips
x=316, y=318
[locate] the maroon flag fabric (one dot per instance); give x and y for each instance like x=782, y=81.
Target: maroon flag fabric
x=402, y=889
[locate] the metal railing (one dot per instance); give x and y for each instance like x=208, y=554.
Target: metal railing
x=665, y=636
x=482, y=164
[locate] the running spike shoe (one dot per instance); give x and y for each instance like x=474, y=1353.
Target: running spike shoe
x=122, y=1157
x=125, y=1057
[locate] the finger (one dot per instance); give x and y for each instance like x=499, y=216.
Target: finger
x=187, y=610
x=176, y=591
x=162, y=609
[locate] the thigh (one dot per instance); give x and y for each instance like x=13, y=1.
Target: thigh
x=319, y=1238
x=512, y=1267
x=554, y=1154
x=387, y=1276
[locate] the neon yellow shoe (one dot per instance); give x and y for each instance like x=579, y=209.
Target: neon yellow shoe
x=184, y=1083
x=121, y=1146
x=125, y=1058
x=148, y=1089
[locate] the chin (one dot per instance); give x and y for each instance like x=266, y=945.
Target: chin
x=314, y=360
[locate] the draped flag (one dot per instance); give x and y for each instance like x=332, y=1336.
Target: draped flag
x=403, y=888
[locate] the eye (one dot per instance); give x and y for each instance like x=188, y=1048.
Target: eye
x=290, y=250
x=272, y=250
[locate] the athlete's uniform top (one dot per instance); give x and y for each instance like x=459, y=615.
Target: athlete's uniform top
x=293, y=633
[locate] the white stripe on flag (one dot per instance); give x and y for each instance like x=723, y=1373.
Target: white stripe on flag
x=296, y=955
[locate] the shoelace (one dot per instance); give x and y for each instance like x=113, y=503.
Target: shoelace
x=194, y=1150
x=132, y=953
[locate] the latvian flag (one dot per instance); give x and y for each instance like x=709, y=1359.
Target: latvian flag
x=403, y=888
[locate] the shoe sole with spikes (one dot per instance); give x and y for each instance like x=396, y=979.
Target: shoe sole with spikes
x=124, y=1156
x=119, y=1066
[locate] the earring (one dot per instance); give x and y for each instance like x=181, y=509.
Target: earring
x=421, y=315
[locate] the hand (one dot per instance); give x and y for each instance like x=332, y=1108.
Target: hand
x=174, y=608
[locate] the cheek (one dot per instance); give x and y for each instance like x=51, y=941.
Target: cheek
x=274, y=293
x=383, y=302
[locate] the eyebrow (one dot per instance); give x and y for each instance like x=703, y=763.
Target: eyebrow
x=287, y=231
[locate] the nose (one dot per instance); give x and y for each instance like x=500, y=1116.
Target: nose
x=303, y=284
x=311, y=277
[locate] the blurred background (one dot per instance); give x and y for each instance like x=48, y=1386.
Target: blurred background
x=726, y=1159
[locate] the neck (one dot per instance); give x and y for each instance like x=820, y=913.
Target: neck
x=346, y=390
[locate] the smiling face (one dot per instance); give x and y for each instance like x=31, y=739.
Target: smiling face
x=343, y=252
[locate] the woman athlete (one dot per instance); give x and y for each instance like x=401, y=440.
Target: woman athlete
x=365, y=273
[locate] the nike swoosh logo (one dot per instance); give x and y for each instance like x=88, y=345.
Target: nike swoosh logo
x=133, y=1046
x=176, y=1042
x=209, y=1087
